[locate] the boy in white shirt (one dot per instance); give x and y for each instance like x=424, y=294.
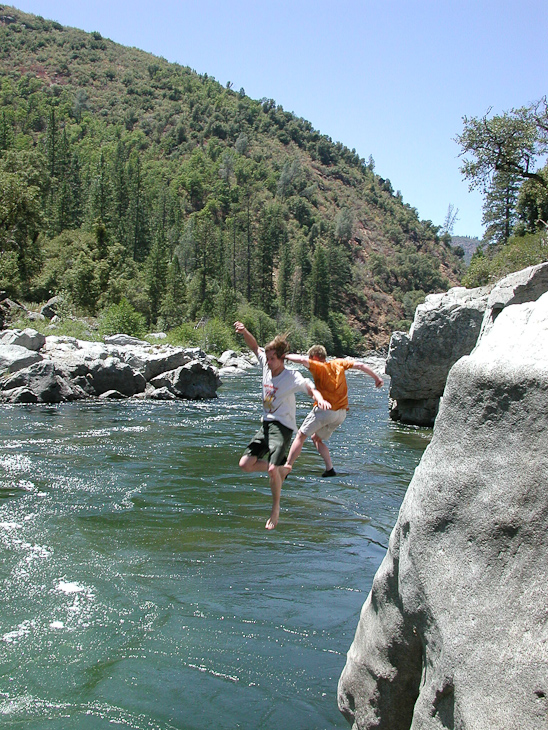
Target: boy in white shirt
x=279, y=418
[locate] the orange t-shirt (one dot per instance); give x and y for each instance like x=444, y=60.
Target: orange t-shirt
x=330, y=380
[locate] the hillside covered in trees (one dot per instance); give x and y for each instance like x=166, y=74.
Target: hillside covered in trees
x=128, y=179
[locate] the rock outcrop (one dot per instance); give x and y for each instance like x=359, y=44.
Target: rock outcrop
x=234, y=363
x=16, y=357
x=40, y=383
x=454, y=633
x=55, y=369
x=446, y=327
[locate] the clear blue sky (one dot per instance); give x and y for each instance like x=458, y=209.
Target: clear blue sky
x=390, y=78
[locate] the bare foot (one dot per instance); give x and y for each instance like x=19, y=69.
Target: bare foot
x=272, y=520
x=284, y=470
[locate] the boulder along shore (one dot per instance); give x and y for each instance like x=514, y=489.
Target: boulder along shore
x=38, y=369
x=454, y=633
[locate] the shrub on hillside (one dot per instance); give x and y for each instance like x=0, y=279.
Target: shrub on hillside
x=122, y=318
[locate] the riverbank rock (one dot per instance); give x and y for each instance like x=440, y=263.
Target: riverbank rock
x=40, y=383
x=122, y=365
x=445, y=328
x=29, y=338
x=51, y=307
x=16, y=357
x=235, y=363
x=454, y=631
x=521, y=286
x=196, y=380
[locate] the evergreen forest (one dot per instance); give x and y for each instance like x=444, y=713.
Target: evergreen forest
x=137, y=188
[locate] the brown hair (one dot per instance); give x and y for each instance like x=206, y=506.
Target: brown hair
x=279, y=344
x=318, y=351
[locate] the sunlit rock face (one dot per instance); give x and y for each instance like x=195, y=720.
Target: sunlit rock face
x=454, y=633
x=445, y=328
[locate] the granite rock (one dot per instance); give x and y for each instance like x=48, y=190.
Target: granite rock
x=454, y=632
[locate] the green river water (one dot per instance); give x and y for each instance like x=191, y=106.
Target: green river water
x=139, y=588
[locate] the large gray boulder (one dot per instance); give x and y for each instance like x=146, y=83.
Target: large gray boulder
x=445, y=328
x=123, y=340
x=16, y=357
x=51, y=307
x=40, y=383
x=120, y=367
x=234, y=363
x=454, y=632
x=111, y=374
x=522, y=286
x=29, y=338
x=155, y=360
x=196, y=380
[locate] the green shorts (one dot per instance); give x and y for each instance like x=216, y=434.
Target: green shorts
x=272, y=438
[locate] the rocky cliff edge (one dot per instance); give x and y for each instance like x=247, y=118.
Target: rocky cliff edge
x=454, y=633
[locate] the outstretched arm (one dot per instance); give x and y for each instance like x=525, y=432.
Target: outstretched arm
x=379, y=382
x=299, y=359
x=250, y=341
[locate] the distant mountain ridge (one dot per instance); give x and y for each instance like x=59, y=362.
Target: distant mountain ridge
x=177, y=181
x=468, y=243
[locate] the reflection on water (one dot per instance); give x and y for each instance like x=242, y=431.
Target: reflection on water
x=139, y=588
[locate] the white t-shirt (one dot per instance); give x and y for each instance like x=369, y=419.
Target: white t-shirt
x=279, y=393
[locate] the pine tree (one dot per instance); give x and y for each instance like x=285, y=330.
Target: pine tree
x=174, y=303
x=156, y=279
x=137, y=216
x=285, y=272
x=499, y=207
x=319, y=284
x=272, y=232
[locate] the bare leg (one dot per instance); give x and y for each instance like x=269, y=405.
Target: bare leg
x=294, y=451
x=251, y=464
x=276, y=489
x=323, y=451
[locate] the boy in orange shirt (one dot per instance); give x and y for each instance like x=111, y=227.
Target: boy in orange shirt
x=330, y=380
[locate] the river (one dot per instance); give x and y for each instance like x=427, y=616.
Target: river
x=139, y=588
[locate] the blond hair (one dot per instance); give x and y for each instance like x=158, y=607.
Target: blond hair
x=318, y=351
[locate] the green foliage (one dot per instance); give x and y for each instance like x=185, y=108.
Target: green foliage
x=296, y=330
x=20, y=222
x=506, y=143
x=212, y=335
x=499, y=207
x=402, y=325
x=518, y=253
x=532, y=205
x=408, y=272
x=346, y=340
x=129, y=178
x=173, y=308
x=411, y=301
x=503, y=152
x=186, y=335
x=67, y=326
x=478, y=273
x=344, y=224
x=319, y=333
x=219, y=336
x=260, y=324
x=122, y=318
x=9, y=273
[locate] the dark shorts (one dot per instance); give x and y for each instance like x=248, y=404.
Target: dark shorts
x=273, y=439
